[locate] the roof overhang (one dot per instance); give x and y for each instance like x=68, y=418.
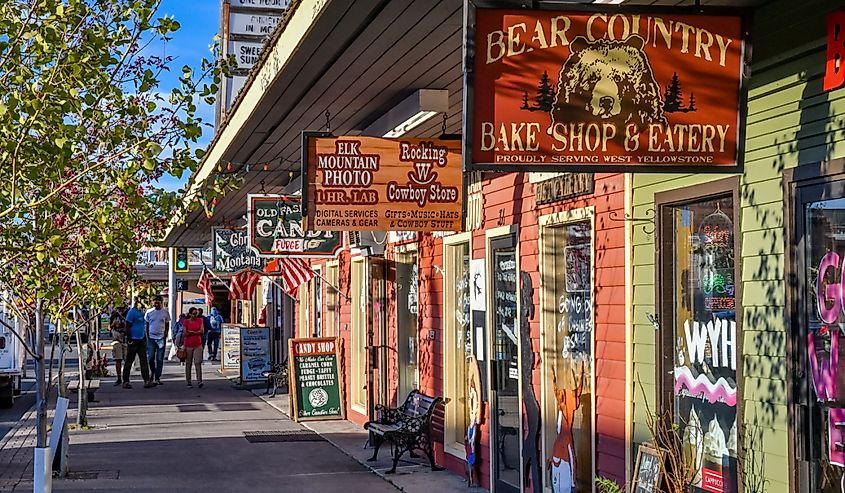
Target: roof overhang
x=342, y=64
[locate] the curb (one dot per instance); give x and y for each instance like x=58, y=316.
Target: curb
x=25, y=417
x=383, y=476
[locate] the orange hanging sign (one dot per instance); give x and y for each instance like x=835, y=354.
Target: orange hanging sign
x=374, y=184
x=588, y=91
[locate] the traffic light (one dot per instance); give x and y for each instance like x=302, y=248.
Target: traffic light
x=181, y=264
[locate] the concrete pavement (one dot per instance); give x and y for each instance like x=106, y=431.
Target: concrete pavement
x=172, y=438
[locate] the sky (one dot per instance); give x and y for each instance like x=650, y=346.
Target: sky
x=200, y=20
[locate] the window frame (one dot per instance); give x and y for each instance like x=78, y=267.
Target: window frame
x=358, y=337
x=548, y=299
x=664, y=288
x=450, y=385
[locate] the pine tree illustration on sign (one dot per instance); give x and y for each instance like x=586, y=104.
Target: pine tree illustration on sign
x=545, y=97
x=674, y=97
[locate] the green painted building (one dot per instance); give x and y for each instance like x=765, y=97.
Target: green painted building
x=731, y=263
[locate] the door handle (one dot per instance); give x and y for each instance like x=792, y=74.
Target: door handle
x=502, y=412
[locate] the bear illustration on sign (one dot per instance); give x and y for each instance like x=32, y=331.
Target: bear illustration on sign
x=608, y=81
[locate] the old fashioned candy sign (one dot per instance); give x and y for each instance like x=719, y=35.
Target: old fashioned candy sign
x=606, y=91
x=274, y=224
x=376, y=184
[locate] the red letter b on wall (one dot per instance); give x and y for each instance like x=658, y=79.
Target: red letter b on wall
x=834, y=73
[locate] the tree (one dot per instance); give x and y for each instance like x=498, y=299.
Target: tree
x=691, y=106
x=674, y=99
x=524, y=101
x=545, y=93
x=86, y=129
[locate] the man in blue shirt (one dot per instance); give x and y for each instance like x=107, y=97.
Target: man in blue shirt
x=136, y=345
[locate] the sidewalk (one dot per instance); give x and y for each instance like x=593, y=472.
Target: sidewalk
x=412, y=475
x=174, y=438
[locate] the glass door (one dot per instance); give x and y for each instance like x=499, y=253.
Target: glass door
x=818, y=316
x=700, y=280
x=507, y=421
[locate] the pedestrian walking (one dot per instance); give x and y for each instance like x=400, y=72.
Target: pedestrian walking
x=206, y=325
x=192, y=334
x=177, y=341
x=117, y=325
x=215, y=323
x=136, y=345
x=158, y=327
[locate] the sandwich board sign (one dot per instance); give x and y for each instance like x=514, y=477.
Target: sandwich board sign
x=316, y=388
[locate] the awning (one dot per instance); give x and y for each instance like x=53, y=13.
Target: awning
x=355, y=59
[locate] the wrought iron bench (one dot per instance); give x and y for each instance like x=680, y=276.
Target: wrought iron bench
x=276, y=377
x=407, y=428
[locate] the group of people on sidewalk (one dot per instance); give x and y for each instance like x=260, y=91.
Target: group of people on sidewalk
x=144, y=335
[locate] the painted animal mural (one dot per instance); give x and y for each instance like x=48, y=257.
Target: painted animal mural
x=563, y=461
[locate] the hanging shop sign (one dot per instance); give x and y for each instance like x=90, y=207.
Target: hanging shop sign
x=599, y=91
x=260, y=4
x=317, y=391
x=255, y=353
x=231, y=252
x=246, y=53
x=275, y=229
x=565, y=186
x=231, y=340
x=376, y=184
x=249, y=24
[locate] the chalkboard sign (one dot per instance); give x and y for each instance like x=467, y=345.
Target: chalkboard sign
x=255, y=353
x=317, y=390
x=648, y=474
x=231, y=359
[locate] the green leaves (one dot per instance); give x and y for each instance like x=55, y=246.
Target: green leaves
x=85, y=130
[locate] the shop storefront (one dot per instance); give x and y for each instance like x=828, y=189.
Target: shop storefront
x=735, y=317
x=576, y=307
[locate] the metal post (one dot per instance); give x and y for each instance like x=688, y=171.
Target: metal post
x=171, y=286
x=41, y=467
x=41, y=383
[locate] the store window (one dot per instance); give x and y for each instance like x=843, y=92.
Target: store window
x=407, y=321
x=457, y=343
x=699, y=301
x=317, y=297
x=332, y=301
x=821, y=355
x=358, y=349
x=567, y=274
x=303, y=294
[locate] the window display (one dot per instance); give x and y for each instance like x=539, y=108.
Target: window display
x=705, y=341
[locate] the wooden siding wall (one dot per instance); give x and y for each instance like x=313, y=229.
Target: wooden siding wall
x=791, y=122
x=509, y=199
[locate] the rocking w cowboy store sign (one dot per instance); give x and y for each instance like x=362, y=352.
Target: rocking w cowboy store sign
x=601, y=91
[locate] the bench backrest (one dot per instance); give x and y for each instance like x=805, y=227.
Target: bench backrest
x=419, y=405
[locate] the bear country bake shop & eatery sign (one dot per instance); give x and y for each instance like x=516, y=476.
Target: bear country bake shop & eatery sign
x=377, y=184
x=594, y=91
x=275, y=229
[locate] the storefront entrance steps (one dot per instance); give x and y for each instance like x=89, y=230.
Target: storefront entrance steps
x=412, y=475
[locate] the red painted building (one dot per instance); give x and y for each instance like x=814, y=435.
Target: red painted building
x=555, y=299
